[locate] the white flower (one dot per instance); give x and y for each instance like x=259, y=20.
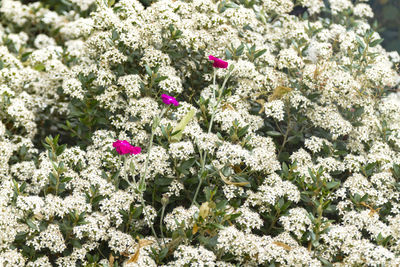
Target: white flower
x=50, y=238
x=180, y=217
x=188, y=255
x=181, y=150
x=275, y=109
x=288, y=58
x=338, y=6
x=363, y=10
x=73, y=87
x=296, y=221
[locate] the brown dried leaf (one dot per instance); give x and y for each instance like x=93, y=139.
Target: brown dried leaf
x=135, y=256
x=227, y=106
x=261, y=102
x=195, y=229
x=372, y=210
x=141, y=243
x=111, y=259
x=125, y=254
x=279, y=92
x=237, y=169
x=283, y=245
x=204, y=210
x=144, y=242
x=233, y=183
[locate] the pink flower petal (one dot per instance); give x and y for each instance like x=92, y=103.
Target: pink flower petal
x=123, y=147
x=168, y=100
x=218, y=63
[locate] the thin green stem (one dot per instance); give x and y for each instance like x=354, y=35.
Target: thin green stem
x=198, y=186
x=156, y=121
x=58, y=183
x=148, y=220
x=214, y=108
x=161, y=219
x=142, y=182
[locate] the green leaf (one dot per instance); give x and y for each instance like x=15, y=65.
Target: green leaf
x=148, y=70
x=234, y=216
x=360, y=42
x=55, y=140
x=22, y=187
x=31, y=224
x=243, y=131
x=186, y=165
x=286, y=205
x=239, y=50
x=340, y=152
x=364, y=198
x=217, y=225
x=325, y=262
x=23, y=150
x=53, y=179
x=61, y=188
x=274, y=133
x=285, y=169
x=222, y=204
x=375, y=42
x=66, y=179
x=221, y=6
x=76, y=243
x=259, y=53
x=164, y=133
x=25, y=56
x=160, y=78
x=396, y=170
x=115, y=34
x=60, y=149
x=231, y=5
x=163, y=253
x=312, y=175
x=163, y=181
x=182, y=125
x=333, y=184
x=97, y=199
x=357, y=198
x=137, y=212
x=228, y=54
x=39, y=67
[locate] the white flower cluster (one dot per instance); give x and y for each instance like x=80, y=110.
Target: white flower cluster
x=180, y=217
x=297, y=221
x=51, y=238
x=191, y=256
x=272, y=189
x=260, y=250
x=116, y=59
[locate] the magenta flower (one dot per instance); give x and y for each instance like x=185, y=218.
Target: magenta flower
x=168, y=100
x=123, y=147
x=218, y=63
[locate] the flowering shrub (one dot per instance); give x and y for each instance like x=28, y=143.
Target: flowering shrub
x=197, y=133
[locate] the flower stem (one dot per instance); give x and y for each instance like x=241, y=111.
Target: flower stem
x=142, y=182
x=162, y=216
x=214, y=108
x=148, y=220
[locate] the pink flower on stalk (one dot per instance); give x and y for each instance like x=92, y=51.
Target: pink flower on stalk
x=168, y=100
x=218, y=63
x=123, y=147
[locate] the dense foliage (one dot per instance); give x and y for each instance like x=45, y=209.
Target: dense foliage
x=287, y=157
x=386, y=14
